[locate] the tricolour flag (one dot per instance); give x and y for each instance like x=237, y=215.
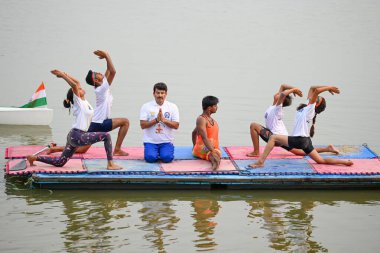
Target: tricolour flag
x=38, y=99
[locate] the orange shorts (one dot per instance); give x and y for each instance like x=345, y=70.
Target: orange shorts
x=205, y=154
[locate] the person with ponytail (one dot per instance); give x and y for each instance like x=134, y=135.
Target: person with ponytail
x=78, y=135
x=275, y=125
x=102, y=122
x=302, y=133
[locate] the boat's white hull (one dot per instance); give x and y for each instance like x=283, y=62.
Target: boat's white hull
x=25, y=116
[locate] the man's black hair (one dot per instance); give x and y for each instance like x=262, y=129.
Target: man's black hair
x=287, y=101
x=160, y=86
x=89, y=78
x=209, y=101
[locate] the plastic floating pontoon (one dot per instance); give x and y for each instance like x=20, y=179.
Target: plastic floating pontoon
x=282, y=170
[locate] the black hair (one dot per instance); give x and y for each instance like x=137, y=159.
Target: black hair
x=287, y=101
x=321, y=107
x=209, y=101
x=69, y=99
x=89, y=79
x=160, y=86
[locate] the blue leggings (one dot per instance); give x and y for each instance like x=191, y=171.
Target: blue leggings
x=164, y=151
x=75, y=139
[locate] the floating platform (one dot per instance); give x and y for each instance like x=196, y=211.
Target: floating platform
x=282, y=170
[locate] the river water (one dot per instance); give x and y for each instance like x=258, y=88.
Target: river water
x=239, y=51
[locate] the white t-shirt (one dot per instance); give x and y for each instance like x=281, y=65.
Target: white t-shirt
x=159, y=133
x=83, y=112
x=273, y=120
x=104, y=100
x=303, y=121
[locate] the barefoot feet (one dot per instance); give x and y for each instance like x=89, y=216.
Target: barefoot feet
x=332, y=149
x=256, y=165
x=112, y=166
x=31, y=159
x=120, y=152
x=253, y=154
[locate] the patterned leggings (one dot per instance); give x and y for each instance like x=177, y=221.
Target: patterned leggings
x=75, y=139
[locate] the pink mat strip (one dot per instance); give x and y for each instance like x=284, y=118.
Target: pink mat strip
x=360, y=166
x=239, y=153
x=186, y=166
x=72, y=166
x=16, y=152
x=135, y=153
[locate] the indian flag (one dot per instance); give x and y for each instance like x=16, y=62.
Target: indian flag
x=38, y=99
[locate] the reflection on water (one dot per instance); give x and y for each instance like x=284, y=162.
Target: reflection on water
x=158, y=217
x=204, y=212
x=289, y=224
x=111, y=221
x=12, y=135
x=89, y=222
x=15, y=135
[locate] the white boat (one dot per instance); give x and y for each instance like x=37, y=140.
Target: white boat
x=25, y=116
x=35, y=112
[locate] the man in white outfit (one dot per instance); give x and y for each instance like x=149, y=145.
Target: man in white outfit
x=159, y=119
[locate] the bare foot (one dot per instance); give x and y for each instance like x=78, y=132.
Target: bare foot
x=120, y=153
x=213, y=163
x=256, y=165
x=349, y=163
x=332, y=149
x=31, y=159
x=253, y=154
x=112, y=166
x=214, y=167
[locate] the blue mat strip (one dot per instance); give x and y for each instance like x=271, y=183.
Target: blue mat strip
x=277, y=167
x=136, y=166
x=352, y=152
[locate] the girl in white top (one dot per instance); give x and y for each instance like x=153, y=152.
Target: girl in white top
x=300, y=139
x=274, y=123
x=78, y=135
x=101, y=121
x=273, y=118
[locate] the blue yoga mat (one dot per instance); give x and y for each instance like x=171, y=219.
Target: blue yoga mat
x=277, y=166
x=350, y=152
x=100, y=166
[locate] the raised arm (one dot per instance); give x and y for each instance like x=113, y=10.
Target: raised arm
x=284, y=87
x=74, y=83
x=314, y=91
x=111, y=71
x=286, y=90
x=73, y=79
